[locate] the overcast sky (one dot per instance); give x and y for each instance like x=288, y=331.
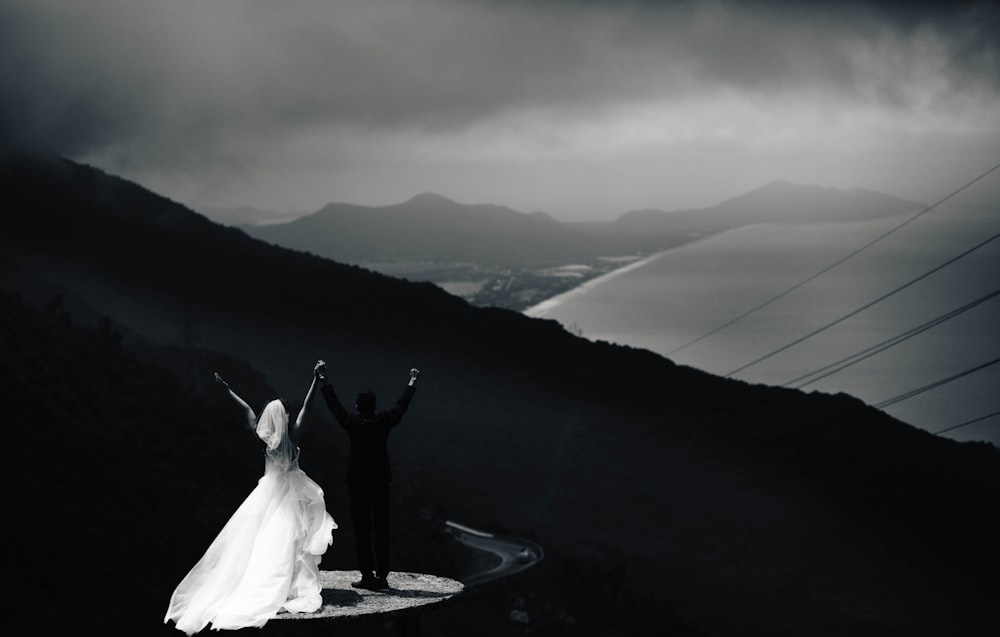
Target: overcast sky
x=583, y=109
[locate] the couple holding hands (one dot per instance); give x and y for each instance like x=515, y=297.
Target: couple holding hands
x=266, y=557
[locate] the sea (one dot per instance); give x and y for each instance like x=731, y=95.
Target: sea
x=674, y=303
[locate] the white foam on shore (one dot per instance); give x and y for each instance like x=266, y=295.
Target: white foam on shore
x=541, y=309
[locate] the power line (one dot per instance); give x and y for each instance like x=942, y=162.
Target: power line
x=967, y=422
x=878, y=348
x=831, y=266
x=934, y=385
x=864, y=307
x=745, y=404
x=865, y=353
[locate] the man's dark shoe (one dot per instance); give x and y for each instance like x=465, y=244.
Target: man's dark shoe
x=381, y=584
x=367, y=582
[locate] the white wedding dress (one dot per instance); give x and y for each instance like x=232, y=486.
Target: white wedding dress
x=266, y=558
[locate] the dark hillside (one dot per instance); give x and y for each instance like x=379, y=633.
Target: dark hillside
x=129, y=474
x=651, y=486
x=124, y=475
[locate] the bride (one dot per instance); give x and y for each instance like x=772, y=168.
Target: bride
x=266, y=558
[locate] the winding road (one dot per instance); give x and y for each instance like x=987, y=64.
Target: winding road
x=516, y=554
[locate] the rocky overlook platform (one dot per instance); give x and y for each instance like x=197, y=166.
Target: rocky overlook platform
x=408, y=594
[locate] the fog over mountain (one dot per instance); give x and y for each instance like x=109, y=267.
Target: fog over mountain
x=248, y=215
x=580, y=108
x=786, y=202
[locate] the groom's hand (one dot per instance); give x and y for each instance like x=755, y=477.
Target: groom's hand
x=414, y=373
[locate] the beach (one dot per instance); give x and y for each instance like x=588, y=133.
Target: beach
x=539, y=310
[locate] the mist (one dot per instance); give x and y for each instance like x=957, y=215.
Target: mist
x=582, y=109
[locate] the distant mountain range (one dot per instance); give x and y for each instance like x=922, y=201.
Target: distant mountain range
x=430, y=227
x=776, y=202
x=662, y=495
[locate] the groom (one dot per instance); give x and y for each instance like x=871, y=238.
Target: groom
x=369, y=475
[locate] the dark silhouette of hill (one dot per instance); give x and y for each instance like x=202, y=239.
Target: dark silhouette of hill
x=432, y=228
x=663, y=496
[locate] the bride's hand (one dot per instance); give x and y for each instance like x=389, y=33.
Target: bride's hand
x=219, y=380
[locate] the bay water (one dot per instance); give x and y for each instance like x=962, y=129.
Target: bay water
x=682, y=294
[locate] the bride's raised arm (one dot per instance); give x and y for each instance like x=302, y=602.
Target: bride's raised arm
x=318, y=370
x=247, y=411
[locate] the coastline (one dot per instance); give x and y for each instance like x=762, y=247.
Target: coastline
x=539, y=310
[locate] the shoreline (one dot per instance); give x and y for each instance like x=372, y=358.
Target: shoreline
x=539, y=310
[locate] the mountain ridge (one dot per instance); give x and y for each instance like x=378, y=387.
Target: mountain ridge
x=432, y=227
x=783, y=201
x=426, y=227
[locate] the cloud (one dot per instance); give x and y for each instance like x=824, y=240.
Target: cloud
x=187, y=88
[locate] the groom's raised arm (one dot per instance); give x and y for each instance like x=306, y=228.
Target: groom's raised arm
x=332, y=402
x=397, y=411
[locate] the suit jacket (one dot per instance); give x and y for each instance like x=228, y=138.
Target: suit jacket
x=368, y=459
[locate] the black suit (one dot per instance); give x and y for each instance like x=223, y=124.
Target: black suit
x=368, y=477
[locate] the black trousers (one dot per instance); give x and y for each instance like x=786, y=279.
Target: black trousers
x=370, y=516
